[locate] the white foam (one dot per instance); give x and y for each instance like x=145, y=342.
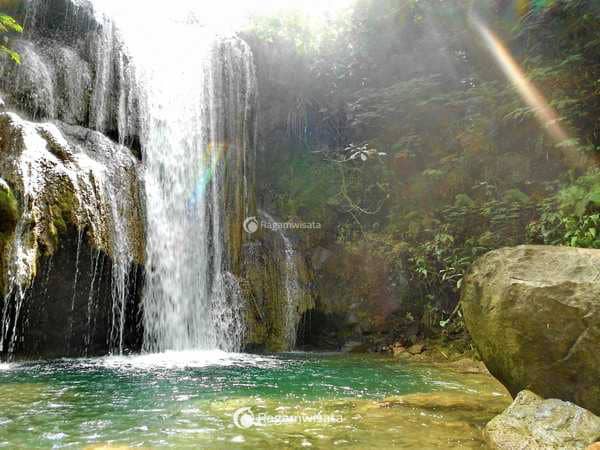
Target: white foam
x=183, y=360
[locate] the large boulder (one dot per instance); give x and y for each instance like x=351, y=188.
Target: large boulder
x=534, y=315
x=534, y=423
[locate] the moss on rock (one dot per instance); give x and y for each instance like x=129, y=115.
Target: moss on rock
x=9, y=216
x=9, y=209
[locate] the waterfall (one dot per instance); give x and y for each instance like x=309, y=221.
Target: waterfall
x=190, y=301
x=185, y=90
x=292, y=292
x=291, y=288
x=198, y=87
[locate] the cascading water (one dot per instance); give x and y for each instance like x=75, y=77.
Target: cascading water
x=187, y=92
x=95, y=181
x=83, y=78
x=199, y=89
x=291, y=288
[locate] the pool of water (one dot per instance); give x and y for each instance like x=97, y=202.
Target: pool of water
x=221, y=400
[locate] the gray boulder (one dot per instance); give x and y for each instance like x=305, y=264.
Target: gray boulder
x=534, y=423
x=534, y=315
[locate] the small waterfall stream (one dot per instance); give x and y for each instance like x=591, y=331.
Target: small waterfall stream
x=291, y=288
x=85, y=67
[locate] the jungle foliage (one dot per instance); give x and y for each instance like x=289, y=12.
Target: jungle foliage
x=397, y=127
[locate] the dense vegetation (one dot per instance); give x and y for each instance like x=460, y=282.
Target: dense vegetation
x=395, y=127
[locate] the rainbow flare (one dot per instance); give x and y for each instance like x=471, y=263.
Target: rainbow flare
x=532, y=96
x=212, y=156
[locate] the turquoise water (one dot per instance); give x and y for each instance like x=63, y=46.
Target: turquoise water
x=189, y=400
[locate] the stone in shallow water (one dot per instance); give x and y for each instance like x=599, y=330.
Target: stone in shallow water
x=534, y=423
x=437, y=401
x=416, y=349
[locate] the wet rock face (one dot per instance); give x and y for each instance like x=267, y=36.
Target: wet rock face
x=68, y=309
x=9, y=210
x=72, y=253
x=65, y=174
x=534, y=315
x=74, y=69
x=277, y=289
x=534, y=423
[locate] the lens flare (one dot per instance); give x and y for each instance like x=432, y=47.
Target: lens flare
x=545, y=114
x=215, y=153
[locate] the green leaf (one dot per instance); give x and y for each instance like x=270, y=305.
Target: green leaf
x=8, y=24
x=11, y=54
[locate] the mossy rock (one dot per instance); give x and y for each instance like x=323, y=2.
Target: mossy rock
x=534, y=423
x=9, y=209
x=9, y=216
x=534, y=315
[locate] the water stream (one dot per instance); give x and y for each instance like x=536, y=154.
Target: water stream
x=189, y=98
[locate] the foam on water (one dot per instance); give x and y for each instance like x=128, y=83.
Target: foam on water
x=184, y=360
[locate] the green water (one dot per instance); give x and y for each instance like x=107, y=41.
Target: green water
x=188, y=400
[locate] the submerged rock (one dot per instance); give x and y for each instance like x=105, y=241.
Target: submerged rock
x=534, y=423
x=439, y=401
x=534, y=315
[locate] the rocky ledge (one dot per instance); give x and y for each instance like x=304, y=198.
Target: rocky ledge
x=71, y=229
